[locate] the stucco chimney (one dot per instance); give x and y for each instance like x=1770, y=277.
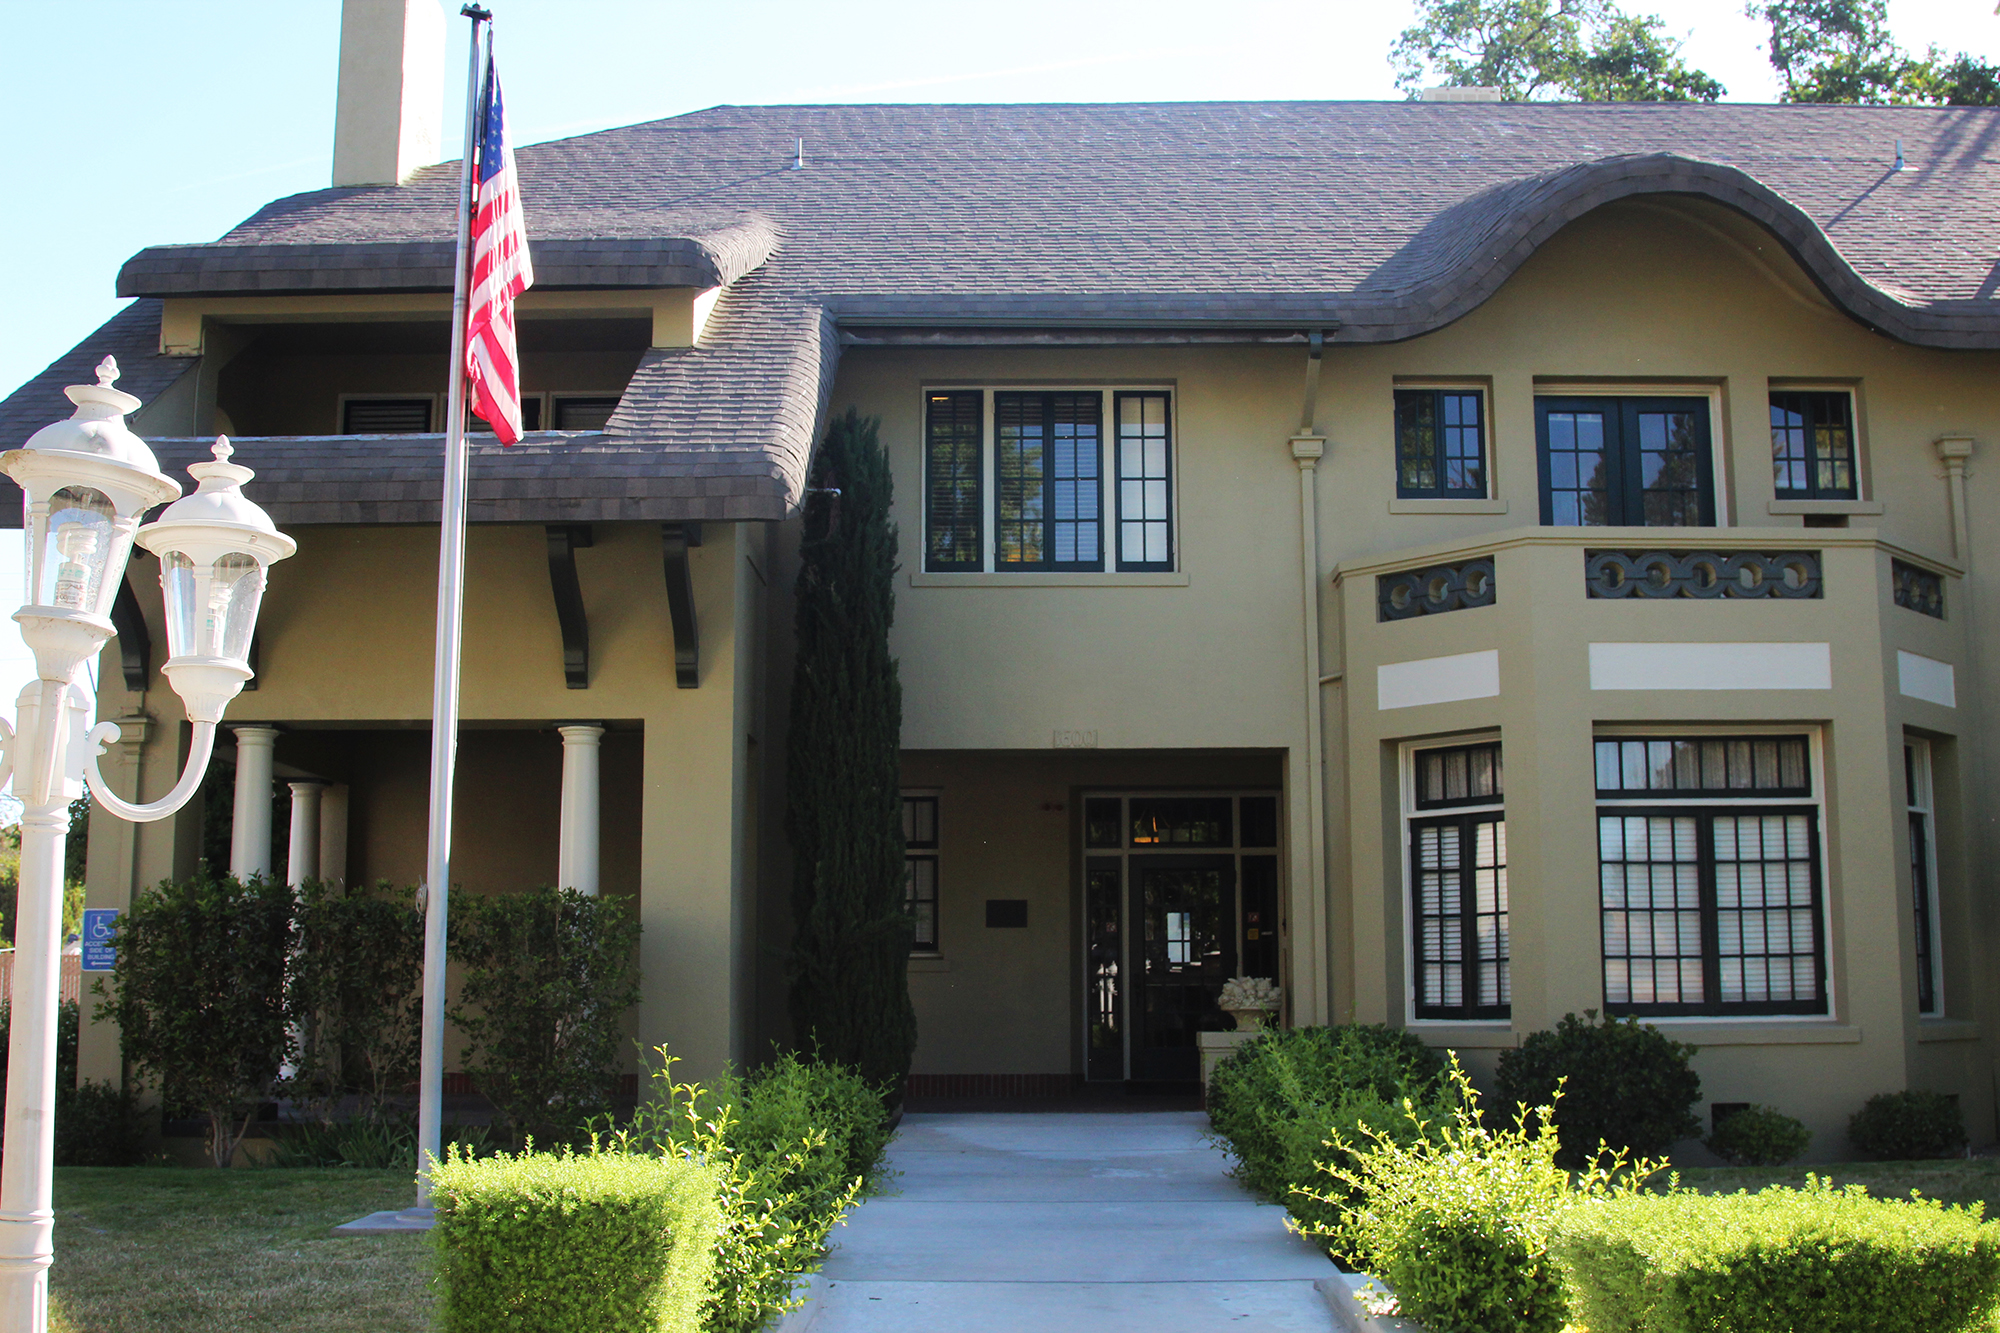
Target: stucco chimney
x=389, y=116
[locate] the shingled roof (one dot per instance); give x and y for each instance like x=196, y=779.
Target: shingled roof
x=1372, y=221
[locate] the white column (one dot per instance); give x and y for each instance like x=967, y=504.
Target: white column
x=333, y=832
x=576, y=852
x=302, y=854
x=250, y=838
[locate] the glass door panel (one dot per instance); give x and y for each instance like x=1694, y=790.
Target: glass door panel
x=1184, y=914
x=1103, y=1000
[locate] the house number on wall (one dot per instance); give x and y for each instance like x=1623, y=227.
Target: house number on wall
x=1076, y=740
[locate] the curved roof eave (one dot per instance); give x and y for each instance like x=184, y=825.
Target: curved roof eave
x=1540, y=208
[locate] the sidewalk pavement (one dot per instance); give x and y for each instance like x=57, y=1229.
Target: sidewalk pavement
x=1055, y=1222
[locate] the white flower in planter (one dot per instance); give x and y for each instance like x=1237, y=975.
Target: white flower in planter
x=1249, y=993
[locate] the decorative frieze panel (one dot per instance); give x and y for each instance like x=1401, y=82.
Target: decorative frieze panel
x=1917, y=588
x=1730, y=574
x=1428, y=592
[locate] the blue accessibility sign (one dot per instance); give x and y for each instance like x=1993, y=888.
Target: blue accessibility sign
x=100, y=946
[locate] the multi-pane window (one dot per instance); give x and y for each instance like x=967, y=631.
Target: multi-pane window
x=1059, y=490
x=386, y=416
x=1047, y=448
x=920, y=870
x=1625, y=462
x=1812, y=445
x=1458, y=884
x=1145, y=521
x=1440, y=444
x=1709, y=890
x=1923, y=871
x=954, y=427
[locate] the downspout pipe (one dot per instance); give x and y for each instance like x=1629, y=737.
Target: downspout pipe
x=1310, y=993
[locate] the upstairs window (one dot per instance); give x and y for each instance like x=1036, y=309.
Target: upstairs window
x=386, y=416
x=1440, y=444
x=1625, y=462
x=954, y=436
x=1058, y=490
x=1812, y=446
x=580, y=412
x=1048, y=449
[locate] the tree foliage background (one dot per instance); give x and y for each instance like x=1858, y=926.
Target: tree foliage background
x=850, y=951
x=1594, y=51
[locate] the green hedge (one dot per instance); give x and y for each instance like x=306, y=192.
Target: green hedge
x=1779, y=1261
x=553, y=1243
x=1279, y=1100
x=797, y=1142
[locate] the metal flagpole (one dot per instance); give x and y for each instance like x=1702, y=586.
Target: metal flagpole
x=444, y=687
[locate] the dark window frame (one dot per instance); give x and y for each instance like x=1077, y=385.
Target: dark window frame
x=1407, y=404
x=1050, y=520
x=1805, y=403
x=1469, y=961
x=1778, y=791
x=366, y=400
x=970, y=534
x=1624, y=490
x=1444, y=755
x=1118, y=479
x=1921, y=816
x=922, y=850
x=1705, y=812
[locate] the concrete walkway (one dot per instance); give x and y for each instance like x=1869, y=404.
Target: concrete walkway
x=1100, y=1222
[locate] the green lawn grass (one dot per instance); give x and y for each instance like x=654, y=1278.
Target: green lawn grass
x=190, y=1250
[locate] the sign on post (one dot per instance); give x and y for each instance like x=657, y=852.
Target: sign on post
x=100, y=948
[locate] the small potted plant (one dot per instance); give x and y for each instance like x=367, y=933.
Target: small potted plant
x=1247, y=1000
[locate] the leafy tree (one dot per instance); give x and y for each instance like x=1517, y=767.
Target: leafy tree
x=549, y=975
x=850, y=951
x=1586, y=50
x=1842, y=51
x=356, y=982
x=198, y=989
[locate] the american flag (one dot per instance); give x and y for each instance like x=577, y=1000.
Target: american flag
x=500, y=272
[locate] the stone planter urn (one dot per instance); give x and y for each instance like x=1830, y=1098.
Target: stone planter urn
x=1248, y=1000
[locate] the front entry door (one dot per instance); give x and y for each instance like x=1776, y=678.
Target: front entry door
x=1185, y=911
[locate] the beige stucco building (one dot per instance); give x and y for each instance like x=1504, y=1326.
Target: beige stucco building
x=1469, y=562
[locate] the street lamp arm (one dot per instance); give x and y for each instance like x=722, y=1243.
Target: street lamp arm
x=202, y=743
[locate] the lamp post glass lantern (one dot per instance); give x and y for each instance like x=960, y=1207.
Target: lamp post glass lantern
x=86, y=482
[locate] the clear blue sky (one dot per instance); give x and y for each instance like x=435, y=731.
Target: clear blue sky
x=140, y=122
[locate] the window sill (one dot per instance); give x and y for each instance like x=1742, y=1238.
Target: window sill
x=1051, y=579
x=929, y=962
x=1709, y=1032
x=1465, y=1036
x=1785, y=507
x=1447, y=506
x=1947, y=1029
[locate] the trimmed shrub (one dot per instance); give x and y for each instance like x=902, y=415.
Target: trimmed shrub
x=355, y=984
x=796, y=1143
x=555, y=1242
x=1907, y=1126
x=1624, y=1085
x=549, y=975
x=1282, y=1097
x=1457, y=1217
x=1778, y=1261
x=97, y=1124
x=198, y=989
x=1759, y=1136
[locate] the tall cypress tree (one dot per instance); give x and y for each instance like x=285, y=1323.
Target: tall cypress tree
x=851, y=946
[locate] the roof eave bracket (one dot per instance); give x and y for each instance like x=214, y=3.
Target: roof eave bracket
x=565, y=540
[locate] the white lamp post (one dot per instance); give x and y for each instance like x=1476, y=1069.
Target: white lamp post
x=88, y=480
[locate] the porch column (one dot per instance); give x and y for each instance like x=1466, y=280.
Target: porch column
x=302, y=855
x=250, y=834
x=576, y=851
x=333, y=832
